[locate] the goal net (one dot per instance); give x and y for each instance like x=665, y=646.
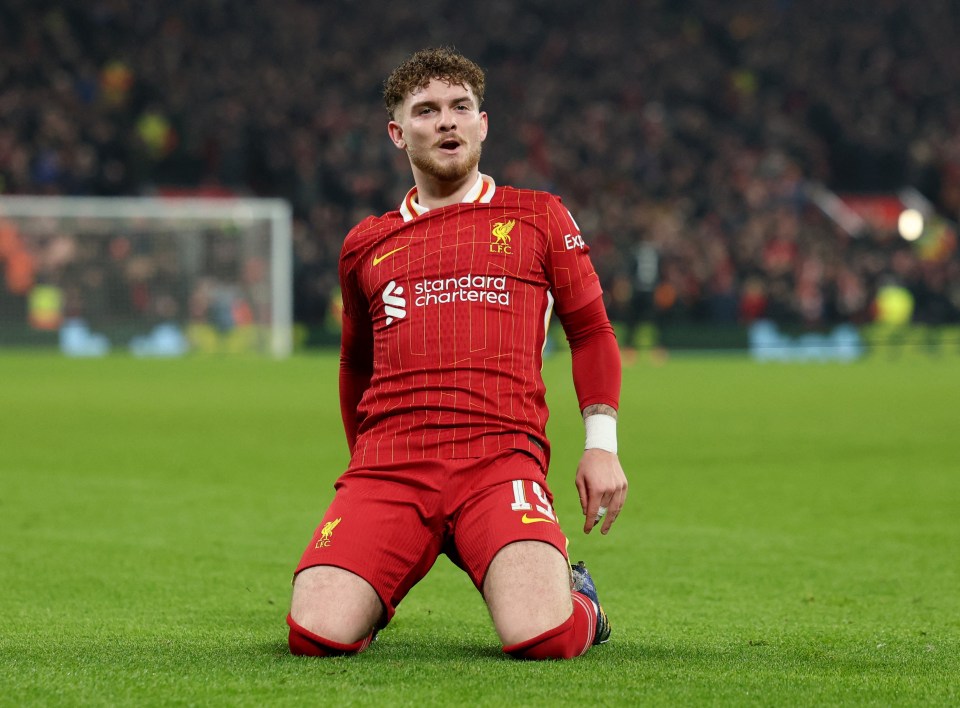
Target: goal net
x=152, y=276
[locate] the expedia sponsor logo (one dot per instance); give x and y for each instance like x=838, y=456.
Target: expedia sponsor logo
x=466, y=288
x=501, y=236
x=326, y=533
x=394, y=305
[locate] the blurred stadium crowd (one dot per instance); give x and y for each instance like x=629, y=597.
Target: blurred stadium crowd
x=684, y=135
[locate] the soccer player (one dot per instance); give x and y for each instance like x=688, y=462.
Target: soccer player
x=446, y=303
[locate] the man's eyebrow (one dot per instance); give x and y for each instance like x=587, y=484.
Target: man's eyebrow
x=427, y=103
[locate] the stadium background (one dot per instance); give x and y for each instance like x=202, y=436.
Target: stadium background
x=791, y=532
x=694, y=141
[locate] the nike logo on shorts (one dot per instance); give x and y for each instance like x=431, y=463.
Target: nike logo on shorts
x=533, y=520
x=378, y=259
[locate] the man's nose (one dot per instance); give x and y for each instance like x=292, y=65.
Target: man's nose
x=448, y=120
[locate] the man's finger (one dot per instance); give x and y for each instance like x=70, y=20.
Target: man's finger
x=582, y=492
x=608, y=522
x=593, y=515
x=614, y=512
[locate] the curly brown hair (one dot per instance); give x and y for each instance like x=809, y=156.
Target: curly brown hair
x=444, y=63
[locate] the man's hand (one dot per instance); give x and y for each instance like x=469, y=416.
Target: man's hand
x=601, y=483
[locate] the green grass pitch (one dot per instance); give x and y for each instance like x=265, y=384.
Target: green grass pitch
x=792, y=537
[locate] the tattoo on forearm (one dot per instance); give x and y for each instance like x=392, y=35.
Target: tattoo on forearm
x=600, y=408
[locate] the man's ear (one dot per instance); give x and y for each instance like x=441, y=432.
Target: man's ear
x=395, y=131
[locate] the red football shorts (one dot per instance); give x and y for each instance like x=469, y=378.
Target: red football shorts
x=390, y=523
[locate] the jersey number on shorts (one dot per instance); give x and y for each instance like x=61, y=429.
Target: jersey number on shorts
x=520, y=502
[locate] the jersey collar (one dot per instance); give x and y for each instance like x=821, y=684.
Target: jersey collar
x=481, y=193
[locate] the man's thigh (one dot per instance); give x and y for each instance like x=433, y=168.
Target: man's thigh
x=495, y=516
x=380, y=530
x=527, y=590
x=508, y=538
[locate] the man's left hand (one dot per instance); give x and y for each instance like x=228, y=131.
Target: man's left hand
x=601, y=483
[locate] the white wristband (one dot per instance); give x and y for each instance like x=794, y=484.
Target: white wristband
x=601, y=432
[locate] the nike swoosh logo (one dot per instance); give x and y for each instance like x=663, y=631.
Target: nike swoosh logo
x=378, y=259
x=527, y=520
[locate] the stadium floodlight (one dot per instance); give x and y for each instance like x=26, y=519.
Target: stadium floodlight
x=910, y=224
x=214, y=272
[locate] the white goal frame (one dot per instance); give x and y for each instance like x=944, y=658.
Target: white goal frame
x=275, y=211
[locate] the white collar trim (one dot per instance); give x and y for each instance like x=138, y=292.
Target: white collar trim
x=481, y=192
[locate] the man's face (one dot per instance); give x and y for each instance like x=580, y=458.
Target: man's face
x=442, y=129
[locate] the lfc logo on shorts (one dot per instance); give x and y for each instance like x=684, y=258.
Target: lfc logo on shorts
x=326, y=533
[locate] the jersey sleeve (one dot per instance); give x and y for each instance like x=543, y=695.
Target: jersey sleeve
x=356, y=347
x=354, y=301
x=595, y=353
x=573, y=280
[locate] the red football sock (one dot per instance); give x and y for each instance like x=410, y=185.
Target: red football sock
x=570, y=639
x=303, y=642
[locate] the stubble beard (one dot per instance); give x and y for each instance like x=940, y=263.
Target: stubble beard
x=451, y=171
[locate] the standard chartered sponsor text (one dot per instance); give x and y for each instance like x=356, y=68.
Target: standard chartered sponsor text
x=466, y=288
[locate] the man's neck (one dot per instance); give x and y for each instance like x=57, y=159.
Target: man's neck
x=433, y=193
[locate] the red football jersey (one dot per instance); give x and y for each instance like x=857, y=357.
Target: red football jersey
x=458, y=299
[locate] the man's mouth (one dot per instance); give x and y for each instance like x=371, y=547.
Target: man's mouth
x=449, y=145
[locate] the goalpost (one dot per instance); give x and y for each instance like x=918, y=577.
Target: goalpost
x=153, y=275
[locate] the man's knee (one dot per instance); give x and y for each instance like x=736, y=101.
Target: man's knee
x=557, y=643
x=332, y=611
x=570, y=639
x=303, y=642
